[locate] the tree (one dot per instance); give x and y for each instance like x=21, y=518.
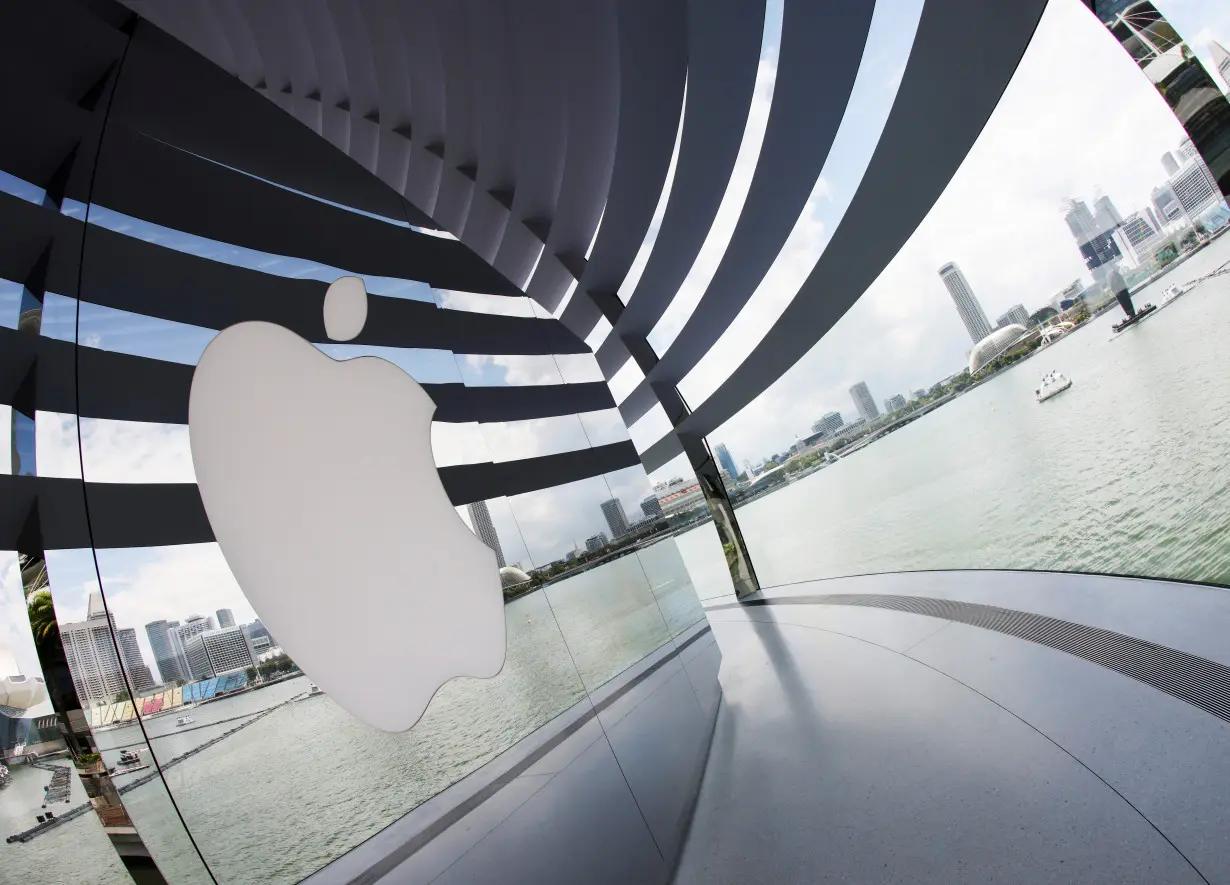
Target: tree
x=43, y=619
x=250, y=674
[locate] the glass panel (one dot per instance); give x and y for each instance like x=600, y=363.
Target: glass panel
x=603, y=427
x=77, y=850
x=535, y=437
x=483, y=370
x=578, y=368
x=475, y=302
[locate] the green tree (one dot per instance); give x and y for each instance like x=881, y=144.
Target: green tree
x=43, y=619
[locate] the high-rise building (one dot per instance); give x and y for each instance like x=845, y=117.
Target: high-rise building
x=1157, y=225
x=726, y=461
x=863, y=401
x=1096, y=246
x=219, y=651
x=894, y=403
x=90, y=651
x=134, y=663
x=1169, y=163
x=175, y=647
x=1187, y=150
x=225, y=618
x=616, y=519
x=1167, y=205
x=830, y=422
x=259, y=641
x=595, y=542
x=1106, y=217
x=1221, y=58
x=480, y=518
x=651, y=507
x=967, y=305
x=917, y=393
x=1195, y=189
x=1140, y=234
x=164, y=658
x=1017, y=314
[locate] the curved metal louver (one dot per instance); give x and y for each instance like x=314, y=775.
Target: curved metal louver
x=516, y=125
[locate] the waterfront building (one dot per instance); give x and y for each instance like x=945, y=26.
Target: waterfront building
x=164, y=659
x=616, y=518
x=595, y=542
x=830, y=422
x=219, y=651
x=1170, y=164
x=917, y=393
x=995, y=344
x=1097, y=247
x=1142, y=237
x=175, y=648
x=90, y=650
x=894, y=403
x=480, y=519
x=725, y=460
x=864, y=402
x=970, y=311
x=1015, y=315
x=651, y=507
x=134, y=663
x=1167, y=204
x=1195, y=189
x=225, y=618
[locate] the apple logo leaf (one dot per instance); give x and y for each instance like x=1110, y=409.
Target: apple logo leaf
x=318, y=479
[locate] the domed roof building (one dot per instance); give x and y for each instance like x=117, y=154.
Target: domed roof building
x=986, y=350
x=511, y=576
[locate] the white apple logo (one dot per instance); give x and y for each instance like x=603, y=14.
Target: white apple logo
x=319, y=481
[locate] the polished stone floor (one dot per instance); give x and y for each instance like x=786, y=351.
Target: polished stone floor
x=866, y=745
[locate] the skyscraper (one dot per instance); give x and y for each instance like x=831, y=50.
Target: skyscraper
x=651, y=506
x=616, y=519
x=726, y=461
x=1195, y=188
x=830, y=422
x=134, y=664
x=164, y=658
x=862, y=396
x=90, y=651
x=1221, y=58
x=970, y=310
x=595, y=542
x=220, y=651
x=225, y=618
x=1169, y=163
x=1168, y=207
x=1106, y=216
x=175, y=647
x=480, y=518
x=1016, y=314
x=894, y=403
x=1096, y=246
x=1140, y=234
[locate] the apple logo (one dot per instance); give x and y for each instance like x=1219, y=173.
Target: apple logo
x=318, y=479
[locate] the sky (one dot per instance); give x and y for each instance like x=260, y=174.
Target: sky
x=1078, y=120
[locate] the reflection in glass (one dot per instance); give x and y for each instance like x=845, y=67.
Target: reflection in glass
x=671, y=585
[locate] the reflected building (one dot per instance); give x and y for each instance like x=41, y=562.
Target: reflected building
x=1142, y=237
x=616, y=518
x=480, y=518
x=1221, y=59
x=1194, y=188
x=225, y=618
x=651, y=507
x=968, y=308
x=1106, y=217
x=1168, y=208
x=595, y=542
x=864, y=402
x=1097, y=246
x=894, y=403
x=91, y=652
x=1015, y=315
x=1169, y=163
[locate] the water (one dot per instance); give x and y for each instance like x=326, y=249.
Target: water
x=1124, y=473
x=306, y=783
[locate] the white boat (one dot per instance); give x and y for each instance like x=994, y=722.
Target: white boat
x=184, y=720
x=314, y=692
x=1053, y=383
x=1173, y=291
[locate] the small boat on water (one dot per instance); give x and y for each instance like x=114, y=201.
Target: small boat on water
x=1173, y=291
x=129, y=757
x=1128, y=322
x=1053, y=383
x=184, y=720
x=314, y=692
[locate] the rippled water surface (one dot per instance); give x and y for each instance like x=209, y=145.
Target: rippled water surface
x=1127, y=472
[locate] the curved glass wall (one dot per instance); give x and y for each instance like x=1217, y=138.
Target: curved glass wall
x=879, y=452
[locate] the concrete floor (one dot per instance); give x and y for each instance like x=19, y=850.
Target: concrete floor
x=865, y=745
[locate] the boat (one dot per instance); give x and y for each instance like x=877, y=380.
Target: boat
x=184, y=720
x=1127, y=323
x=129, y=757
x=1173, y=291
x=1053, y=383
x=313, y=692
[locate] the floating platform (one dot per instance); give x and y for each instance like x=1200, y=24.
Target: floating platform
x=1142, y=314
